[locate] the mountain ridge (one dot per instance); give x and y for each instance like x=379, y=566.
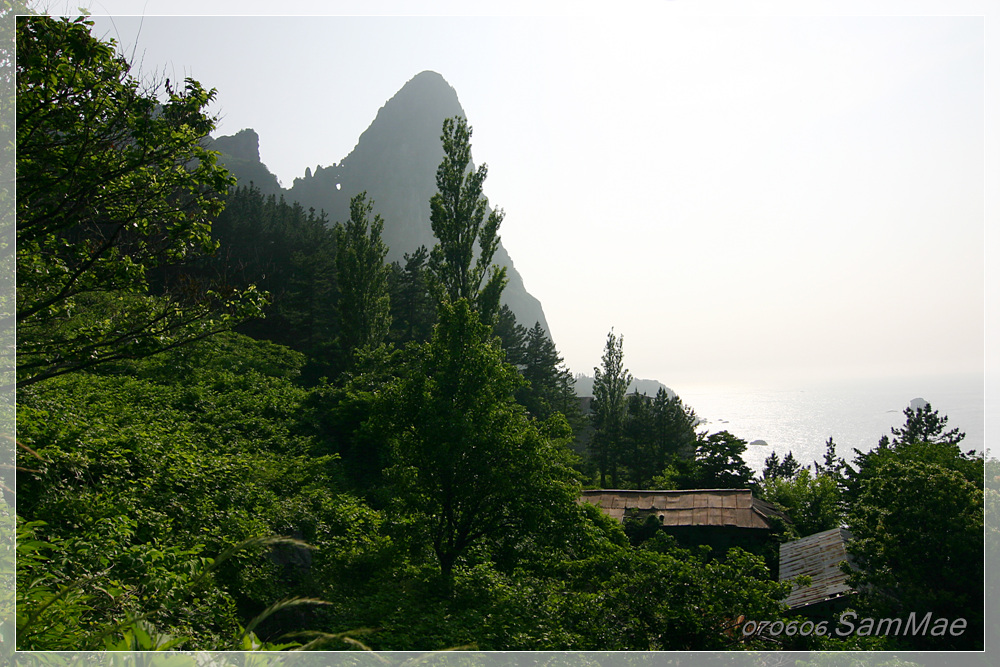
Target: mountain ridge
x=395, y=161
x=583, y=385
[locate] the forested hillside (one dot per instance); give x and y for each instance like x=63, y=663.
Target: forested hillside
x=240, y=426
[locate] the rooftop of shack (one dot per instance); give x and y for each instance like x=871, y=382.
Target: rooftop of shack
x=819, y=556
x=696, y=507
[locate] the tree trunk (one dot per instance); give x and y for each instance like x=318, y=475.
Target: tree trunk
x=447, y=563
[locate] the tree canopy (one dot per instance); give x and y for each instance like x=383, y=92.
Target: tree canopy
x=460, y=222
x=719, y=463
x=469, y=462
x=924, y=424
x=112, y=184
x=915, y=507
x=363, y=277
x=611, y=382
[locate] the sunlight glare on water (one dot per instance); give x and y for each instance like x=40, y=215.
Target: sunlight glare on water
x=800, y=418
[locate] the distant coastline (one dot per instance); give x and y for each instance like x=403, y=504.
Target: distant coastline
x=855, y=413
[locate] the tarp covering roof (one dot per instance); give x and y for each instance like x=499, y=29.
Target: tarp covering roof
x=819, y=556
x=700, y=507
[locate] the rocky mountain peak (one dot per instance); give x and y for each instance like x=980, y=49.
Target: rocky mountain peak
x=244, y=145
x=395, y=161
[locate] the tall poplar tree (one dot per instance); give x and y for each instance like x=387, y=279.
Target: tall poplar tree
x=471, y=468
x=462, y=222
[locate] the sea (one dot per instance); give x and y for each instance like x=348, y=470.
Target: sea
x=800, y=418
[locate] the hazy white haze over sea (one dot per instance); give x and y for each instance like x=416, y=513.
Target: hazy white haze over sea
x=801, y=417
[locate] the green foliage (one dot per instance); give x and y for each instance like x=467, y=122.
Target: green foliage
x=52, y=611
x=512, y=336
x=412, y=307
x=832, y=466
x=639, y=442
x=143, y=636
x=918, y=539
x=674, y=424
x=346, y=413
x=669, y=478
x=95, y=611
x=505, y=594
x=600, y=595
x=940, y=449
x=640, y=455
x=660, y=597
x=608, y=408
x=469, y=465
x=925, y=425
x=788, y=468
x=609, y=529
x=460, y=222
x=363, y=277
x=190, y=452
x=89, y=137
x=813, y=503
x=660, y=441
x=550, y=383
x=719, y=464
x=916, y=512
x=289, y=252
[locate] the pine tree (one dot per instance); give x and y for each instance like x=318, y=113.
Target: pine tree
x=719, y=462
x=412, y=307
x=925, y=425
x=786, y=469
x=363, y=277
x=512, y=335
x=674, y=425
x=611, y=382
x=639, y=445
x=287, y=251
x=832, y=466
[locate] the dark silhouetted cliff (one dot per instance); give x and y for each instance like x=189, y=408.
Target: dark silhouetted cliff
x=395, y=161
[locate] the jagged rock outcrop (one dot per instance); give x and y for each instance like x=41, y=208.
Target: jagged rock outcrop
x=240, y=154
x=395, y=161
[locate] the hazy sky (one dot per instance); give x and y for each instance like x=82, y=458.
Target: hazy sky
x=748, y=197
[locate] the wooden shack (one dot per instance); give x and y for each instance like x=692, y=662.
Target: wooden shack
x=819, y=556
x=719, y=518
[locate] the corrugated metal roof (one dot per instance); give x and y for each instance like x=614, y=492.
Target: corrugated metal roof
x=699, y=507
x=818, y=556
